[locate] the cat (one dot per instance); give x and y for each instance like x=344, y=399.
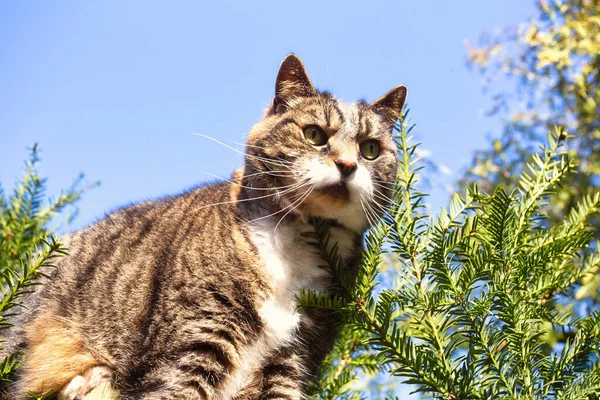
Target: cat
x=194, y=296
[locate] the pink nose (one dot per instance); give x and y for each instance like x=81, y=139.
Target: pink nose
x=345, y=167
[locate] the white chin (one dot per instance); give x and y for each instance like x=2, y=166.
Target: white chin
x=351, y=214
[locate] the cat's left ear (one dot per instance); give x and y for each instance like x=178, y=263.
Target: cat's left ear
x=390, y=105
x=292, y=81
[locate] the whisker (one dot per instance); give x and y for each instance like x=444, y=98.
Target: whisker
x=265, y=160
x=254, y=198
x=248, y=187
x=387, y=189
x=275, y=213
x=307, y=193
x=264, y=148
x=383, y=196
x=376, y=216
x=384, y=182
x=368, y=214
x=270, y=173
x=362, y=204
x=384, y=199
x=376, y=206
x=384, y=213
x=383, y=187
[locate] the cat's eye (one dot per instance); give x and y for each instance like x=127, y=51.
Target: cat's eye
x=315, y=135
x=369, y=149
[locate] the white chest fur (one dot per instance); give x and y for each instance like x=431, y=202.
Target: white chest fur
x=291, y=263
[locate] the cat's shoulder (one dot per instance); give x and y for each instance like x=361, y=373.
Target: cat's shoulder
x=154, y=210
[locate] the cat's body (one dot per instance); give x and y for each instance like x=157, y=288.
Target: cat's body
x=167, y=275
x=194, y=296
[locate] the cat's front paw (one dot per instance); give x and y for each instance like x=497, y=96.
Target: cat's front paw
x=83, y=384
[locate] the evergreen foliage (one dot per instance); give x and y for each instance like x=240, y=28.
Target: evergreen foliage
x=476, y=289
x=552, y=63
x=27, y=246
x=475, y=294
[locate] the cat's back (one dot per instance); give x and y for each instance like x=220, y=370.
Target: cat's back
x=106, y=248
x=142, y=231
x=134, y=279
x=128, y=257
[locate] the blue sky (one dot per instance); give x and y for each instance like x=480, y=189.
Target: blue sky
x=114, y=88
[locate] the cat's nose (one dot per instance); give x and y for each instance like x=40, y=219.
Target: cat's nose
x=345, y=167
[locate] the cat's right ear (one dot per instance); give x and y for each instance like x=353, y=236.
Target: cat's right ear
x=292, y=82
x=390, y=105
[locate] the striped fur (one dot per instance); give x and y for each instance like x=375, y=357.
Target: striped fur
x=193, y=296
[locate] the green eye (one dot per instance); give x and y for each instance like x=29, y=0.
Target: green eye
x=369, y=149
x=315, y=135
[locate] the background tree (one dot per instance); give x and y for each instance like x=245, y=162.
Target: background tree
x=553, y=60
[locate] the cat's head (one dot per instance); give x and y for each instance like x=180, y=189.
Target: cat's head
x=323, y=157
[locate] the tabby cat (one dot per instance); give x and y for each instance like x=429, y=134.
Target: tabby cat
x=194, y=296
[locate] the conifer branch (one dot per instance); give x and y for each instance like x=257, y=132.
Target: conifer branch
x=477, y=291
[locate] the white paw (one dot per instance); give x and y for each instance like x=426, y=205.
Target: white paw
x=73, y=390
x=83, y=384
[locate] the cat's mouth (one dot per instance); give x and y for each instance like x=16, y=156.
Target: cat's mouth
x=339, y=190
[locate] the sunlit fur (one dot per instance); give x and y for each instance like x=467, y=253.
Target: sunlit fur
x=195, y=295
